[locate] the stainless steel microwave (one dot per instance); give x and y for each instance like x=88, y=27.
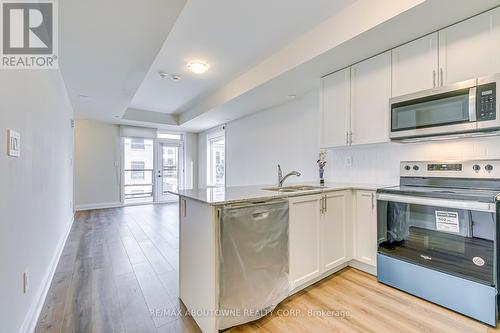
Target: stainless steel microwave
x=466, y=107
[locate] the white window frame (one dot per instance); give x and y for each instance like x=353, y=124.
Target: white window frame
x=156, y=140
x=212, y=135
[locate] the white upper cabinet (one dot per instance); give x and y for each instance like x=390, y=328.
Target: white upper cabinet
x=415, y=66
x=470, y=48
x=370, y=94
x=335, y=108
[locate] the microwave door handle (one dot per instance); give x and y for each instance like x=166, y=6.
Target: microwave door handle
x=436, y=202
x=472, y=104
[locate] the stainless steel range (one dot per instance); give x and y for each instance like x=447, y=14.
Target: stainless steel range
x=437, y=235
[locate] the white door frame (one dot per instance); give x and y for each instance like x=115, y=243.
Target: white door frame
x=158, y=169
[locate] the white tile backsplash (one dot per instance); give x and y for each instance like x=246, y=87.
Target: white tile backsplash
x=380, y=163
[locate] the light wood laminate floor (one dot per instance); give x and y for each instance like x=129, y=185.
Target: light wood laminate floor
x=119, y=273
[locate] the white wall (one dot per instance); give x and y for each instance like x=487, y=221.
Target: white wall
x=285, y=135
x=191, y=160
x=289, y=135
x=379, y=164
x=202, y=159
x=36, y=190
x=97, y=164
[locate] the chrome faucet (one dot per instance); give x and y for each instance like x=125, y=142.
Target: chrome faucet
x=282, y=179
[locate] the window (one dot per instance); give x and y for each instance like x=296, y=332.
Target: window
x=216, y=146
x=137, y=144
x=169, y=136
x=137, y=168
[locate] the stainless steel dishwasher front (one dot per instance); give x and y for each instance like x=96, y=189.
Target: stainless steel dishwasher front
x=253, y=260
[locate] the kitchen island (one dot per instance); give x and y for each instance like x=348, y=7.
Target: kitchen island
x=321, y=231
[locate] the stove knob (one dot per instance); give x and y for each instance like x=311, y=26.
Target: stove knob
x=415, y=167
x=476, y=167
x=407, y=168
x=488, y=167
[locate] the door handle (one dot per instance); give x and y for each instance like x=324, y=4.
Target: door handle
x=441, y=72
x=434, y=78
x=445, y=203
x=472, y=104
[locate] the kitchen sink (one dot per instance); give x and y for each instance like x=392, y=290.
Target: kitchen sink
x=293, y=188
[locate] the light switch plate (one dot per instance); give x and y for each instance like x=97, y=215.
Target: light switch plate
x=14, y=143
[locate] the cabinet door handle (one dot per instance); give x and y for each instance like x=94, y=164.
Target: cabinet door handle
x=373, y=204
x=184, y=203
x=350, y=138
x=326, y=207
x=434, y=78
x=347, y=138
x=441, y=73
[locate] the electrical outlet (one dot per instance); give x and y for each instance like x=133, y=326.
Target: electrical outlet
x=26, y=284
x=348, y=161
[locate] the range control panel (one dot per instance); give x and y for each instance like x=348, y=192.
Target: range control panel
x=486, y=102
x=460, y=169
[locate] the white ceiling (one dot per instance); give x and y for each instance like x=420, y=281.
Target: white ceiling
x=231, y=36
x=258, y=51
x=106, y=49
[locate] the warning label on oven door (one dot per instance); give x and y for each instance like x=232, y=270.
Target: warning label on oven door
x=447, y=221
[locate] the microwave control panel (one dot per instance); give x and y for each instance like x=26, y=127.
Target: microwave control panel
x=486, y=102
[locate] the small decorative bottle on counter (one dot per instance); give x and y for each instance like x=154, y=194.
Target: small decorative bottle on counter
x=321, y=164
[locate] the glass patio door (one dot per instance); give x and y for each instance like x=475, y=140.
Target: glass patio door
x=169, y=170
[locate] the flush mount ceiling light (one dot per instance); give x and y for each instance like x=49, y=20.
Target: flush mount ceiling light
x=197, y=67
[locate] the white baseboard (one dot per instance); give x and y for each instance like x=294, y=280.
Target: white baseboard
x=319, y=278
x=31, y=318
x=98, y=206
x=370, y=269
x=352, y=263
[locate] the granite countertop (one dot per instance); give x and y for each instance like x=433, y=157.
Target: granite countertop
x=230, y=195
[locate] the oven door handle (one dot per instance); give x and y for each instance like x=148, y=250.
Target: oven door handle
x=459, y=204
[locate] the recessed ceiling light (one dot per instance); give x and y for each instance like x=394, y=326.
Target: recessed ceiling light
x=175, y=78
x=291, y=96
x=83, y=96
x=197, y=67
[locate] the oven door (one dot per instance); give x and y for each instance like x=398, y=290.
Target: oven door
x=451, y=236
x=444, y=110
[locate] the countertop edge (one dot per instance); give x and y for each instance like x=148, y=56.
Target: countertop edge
x=275, y=196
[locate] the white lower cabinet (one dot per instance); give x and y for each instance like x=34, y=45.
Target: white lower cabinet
x=304, y=239
x=319, y=233
x=365, y=227
x=337, y=229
